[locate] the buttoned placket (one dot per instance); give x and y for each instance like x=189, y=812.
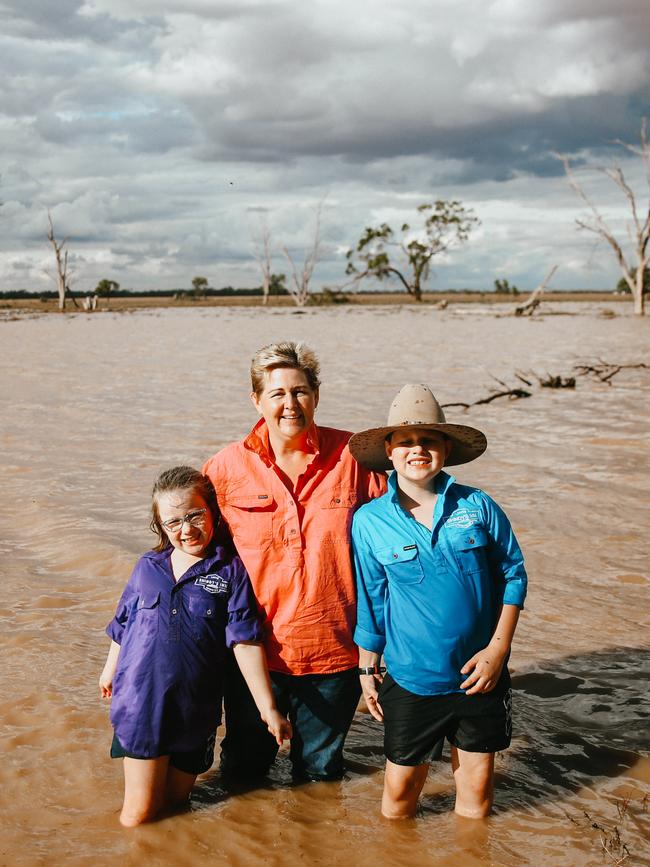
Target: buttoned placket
x=293, y=537
x=174, y=630
x=439, y=549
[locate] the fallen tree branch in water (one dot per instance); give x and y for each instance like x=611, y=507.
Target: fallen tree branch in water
x=531, y=305
x=602, y=370
x=605, y=372
x=548, y=381
x=611, y=841
x=510, y=393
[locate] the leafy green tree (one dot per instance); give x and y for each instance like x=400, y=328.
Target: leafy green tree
x=104, y=289
x=380, y=254
x=199, y=285
x=278, y=284
x=623, y=286
x=503, y=287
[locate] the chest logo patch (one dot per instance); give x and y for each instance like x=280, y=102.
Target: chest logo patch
x=214, y=583
x=462, y=519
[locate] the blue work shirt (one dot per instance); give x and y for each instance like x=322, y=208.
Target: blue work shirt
x=167, y=687
x=429, y=599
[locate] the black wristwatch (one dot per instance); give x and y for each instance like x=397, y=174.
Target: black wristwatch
x=372, y=669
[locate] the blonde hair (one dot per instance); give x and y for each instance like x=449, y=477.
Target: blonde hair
x=287, y=354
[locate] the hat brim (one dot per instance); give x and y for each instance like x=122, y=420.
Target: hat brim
x=368, y=447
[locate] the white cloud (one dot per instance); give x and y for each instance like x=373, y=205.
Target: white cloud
x=153, y=130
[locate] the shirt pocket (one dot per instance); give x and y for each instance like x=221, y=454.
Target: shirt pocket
x=250, y=517
x=471, y=549
x=336, y=513
x=401, y=564
x=206, y=617
x=147, y=615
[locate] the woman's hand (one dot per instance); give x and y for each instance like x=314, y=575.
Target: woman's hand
x=278, y=725
x=370, y=689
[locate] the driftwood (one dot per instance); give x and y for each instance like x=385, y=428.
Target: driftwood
x=605, y=372
x=601, y=370
x=531, y=304
x=548, y=381
x=510, y=393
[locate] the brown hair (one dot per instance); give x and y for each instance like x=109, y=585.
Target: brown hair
x=181, y=478
x=287, y=354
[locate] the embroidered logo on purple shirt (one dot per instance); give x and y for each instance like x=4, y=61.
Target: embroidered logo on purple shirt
x=214, y=583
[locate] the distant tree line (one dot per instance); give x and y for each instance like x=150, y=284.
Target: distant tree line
x=18, y=294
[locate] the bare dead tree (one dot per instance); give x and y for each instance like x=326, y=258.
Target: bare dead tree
x=529, y=306
x=301, y=280
x=633, y=267
x=262, y=253
x=61, y=256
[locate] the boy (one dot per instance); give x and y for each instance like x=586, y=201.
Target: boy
x=440, y=581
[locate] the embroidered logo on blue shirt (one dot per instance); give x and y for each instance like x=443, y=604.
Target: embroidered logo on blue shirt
x=463, y=518
x=213, y=583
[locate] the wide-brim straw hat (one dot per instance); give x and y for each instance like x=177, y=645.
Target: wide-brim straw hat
x=415, y=406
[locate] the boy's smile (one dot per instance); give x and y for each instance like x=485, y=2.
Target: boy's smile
x=417, y=454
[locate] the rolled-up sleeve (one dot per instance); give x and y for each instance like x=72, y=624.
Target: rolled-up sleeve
x=244, y=620
x=506, y=559
x=370, y=631
x=115, y=628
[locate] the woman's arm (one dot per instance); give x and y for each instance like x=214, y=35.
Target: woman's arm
x=107, y=675
x=251, y=659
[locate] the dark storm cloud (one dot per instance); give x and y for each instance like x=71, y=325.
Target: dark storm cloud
x=159, y=131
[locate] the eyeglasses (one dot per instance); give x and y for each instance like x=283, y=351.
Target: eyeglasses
x=194, y=518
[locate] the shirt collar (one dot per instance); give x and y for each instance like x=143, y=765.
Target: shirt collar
x=443, y=481
x=216, y=554
x=258, y=440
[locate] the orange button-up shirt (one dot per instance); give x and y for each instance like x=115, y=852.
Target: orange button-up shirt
x=296, y=544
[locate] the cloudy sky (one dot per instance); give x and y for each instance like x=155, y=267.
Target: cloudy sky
x=162, y=133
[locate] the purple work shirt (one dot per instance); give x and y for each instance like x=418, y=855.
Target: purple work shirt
x=173, y=635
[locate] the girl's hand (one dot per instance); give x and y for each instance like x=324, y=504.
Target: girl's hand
x=108, y=672
x=279, y=726
x=105, y=685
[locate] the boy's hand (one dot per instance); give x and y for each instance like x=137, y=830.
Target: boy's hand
x=278, y=725
x=484, y=670
x=369, y=683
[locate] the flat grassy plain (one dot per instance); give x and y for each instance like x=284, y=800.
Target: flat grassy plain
x=126, y=304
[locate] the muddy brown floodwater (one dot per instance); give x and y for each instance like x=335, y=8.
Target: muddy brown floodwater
x=93, y=406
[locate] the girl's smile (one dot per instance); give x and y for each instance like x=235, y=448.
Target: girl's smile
x=194, y=533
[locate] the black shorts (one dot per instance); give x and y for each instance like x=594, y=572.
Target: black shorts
x=415, y=726
x=196, y=761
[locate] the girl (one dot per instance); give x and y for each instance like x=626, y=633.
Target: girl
x=185, y=602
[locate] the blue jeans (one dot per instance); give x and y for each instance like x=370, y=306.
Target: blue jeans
x=320, y=707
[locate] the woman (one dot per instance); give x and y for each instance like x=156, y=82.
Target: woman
x=287, y=493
